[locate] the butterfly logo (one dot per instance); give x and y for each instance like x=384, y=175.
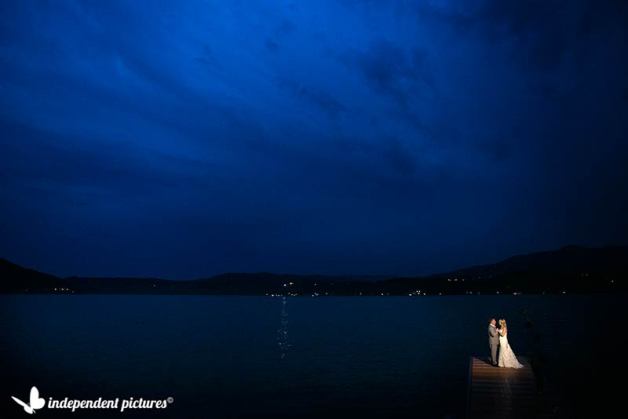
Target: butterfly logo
x=35, y=402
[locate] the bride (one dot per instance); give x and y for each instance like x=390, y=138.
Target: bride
x=507, y=357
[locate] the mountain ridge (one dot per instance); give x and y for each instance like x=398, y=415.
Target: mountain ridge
x=570, y=269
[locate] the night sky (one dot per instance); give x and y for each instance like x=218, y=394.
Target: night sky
x=185, y=139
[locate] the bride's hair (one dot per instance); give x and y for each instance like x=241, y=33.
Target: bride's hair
x=502, y=323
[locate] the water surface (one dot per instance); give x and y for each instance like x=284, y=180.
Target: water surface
x=268, y=357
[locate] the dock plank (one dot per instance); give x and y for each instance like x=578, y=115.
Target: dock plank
x=502, y=393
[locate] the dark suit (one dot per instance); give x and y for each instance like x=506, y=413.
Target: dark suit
x=493, y=342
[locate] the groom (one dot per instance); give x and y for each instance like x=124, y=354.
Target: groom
x=493, y=341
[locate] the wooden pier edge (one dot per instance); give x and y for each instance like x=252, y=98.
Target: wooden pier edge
x=504, y=393
x=469, y=384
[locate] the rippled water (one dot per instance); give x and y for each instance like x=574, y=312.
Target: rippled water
x=272, y=357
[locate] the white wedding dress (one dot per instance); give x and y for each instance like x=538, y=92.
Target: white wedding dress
x=507, y=358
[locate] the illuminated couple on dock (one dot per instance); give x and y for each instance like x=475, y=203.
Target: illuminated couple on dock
x=498, y=342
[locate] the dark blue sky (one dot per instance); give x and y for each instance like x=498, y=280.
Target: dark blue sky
x=183, y=139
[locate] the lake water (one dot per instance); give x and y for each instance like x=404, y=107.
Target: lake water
x=228, y=357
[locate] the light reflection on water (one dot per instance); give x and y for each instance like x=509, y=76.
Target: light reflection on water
x=282, y=332
x=233, y=357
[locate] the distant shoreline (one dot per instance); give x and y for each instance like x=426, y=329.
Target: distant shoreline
x=565, y=294
x=569, y=270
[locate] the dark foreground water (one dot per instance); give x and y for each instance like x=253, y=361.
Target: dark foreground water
x=221, y=357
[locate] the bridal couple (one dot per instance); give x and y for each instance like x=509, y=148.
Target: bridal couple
x=498, y=339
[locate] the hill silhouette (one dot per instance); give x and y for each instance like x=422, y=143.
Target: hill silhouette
x=571, y=269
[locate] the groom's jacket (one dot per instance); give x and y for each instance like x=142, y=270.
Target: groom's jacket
x=493, y=336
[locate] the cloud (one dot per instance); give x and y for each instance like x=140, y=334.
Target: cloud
x=317, y=97
x=392, y=70
x=335, y=133
x=543, y=32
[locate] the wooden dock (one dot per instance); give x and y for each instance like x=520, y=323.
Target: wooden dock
x=503, y=392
